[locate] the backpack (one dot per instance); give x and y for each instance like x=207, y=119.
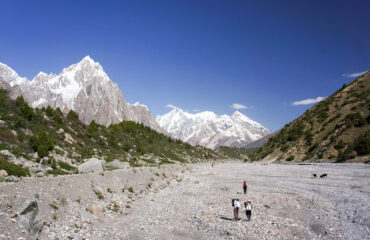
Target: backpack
x=232, y=202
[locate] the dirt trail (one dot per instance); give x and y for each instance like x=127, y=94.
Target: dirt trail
x=288, y=203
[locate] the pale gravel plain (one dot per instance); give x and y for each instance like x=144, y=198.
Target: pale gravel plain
x=194, y=202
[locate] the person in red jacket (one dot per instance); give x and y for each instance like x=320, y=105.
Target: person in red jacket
x=245, y=186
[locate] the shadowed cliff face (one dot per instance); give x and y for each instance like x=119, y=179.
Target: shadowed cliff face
x=83, y=87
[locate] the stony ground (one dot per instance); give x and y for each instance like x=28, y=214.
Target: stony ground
x=194, y=202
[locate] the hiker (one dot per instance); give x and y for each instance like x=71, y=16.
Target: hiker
x=248, y=209
x=245, y=186
x=236, y=208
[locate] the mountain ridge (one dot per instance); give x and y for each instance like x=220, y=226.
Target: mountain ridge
x=83, y=87
x=337, y=128
x=211, y=130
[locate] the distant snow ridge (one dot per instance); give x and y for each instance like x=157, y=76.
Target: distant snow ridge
x=83, y=87
x=210, y=130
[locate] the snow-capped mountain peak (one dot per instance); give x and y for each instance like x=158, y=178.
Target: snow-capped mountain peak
x=83, y=87
x=210, y=130
x=10, y=76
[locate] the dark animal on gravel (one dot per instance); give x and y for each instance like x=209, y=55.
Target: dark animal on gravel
x=314, y=175
x=323, y=175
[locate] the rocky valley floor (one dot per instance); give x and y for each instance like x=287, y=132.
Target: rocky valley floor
x=192, y=202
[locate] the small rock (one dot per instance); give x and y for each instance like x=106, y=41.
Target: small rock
x=61, y=130
x=68, y=138
x=40, y=174
x=95, y=210
x=3, y=174
x=12, y=215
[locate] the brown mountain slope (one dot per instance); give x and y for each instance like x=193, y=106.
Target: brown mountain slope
x=335, y=128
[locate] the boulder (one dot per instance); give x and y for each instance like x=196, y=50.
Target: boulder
x=8, y=154
x=40, y=174
x=23, y=222
x=117, y=164
x=2, y=123
x=3, y=174
x=28, y=164
x=36, y=227
x=60, y=130
x=11, y=179
x=91, y=165
x=95, y=210
x=27, y=217
x=68, y=138
x=74, y=155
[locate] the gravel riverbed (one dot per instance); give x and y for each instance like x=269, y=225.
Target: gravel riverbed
x=194, y=202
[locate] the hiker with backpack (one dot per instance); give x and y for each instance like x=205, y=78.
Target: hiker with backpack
x=248, y=209
x=245, y=186
x=236, y=205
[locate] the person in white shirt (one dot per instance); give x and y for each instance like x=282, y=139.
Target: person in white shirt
x=236, y=209
x=248, y=209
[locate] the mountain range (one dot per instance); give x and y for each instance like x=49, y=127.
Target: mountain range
x=210, y=130
x=83, y=87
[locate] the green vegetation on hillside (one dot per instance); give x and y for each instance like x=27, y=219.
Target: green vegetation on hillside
x=25, y=131
x=13, y=169
x=337, y=127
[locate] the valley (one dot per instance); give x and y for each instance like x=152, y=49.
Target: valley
x=193, y=201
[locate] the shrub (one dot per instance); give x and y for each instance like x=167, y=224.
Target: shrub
x=290, y=158
x=127, y=147
x=112, y=141
x=362, y=144
x=13, y=169
x=284, y=147
x=99, y=194
x=348, y=153
x=340, y=144
x=72, y=115
x=3, y=99
x=187, y=146
x=25, y=110
x=42, y=151
x=56, y=172
x=66, y=166
x=42, y=143
x=355, y=119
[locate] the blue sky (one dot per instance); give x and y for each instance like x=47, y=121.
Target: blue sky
x=204, y=55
